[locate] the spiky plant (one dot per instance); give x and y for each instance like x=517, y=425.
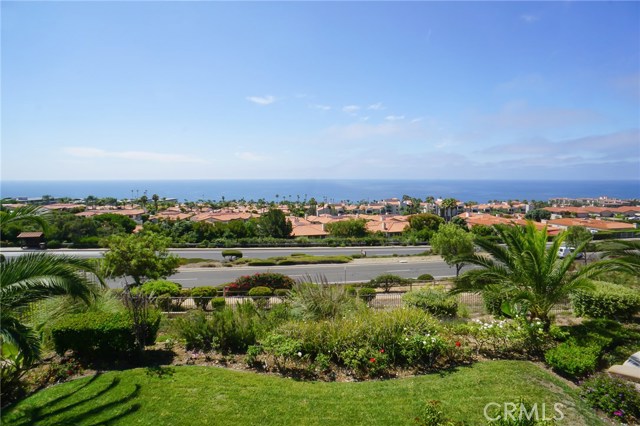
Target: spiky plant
x=527, y=270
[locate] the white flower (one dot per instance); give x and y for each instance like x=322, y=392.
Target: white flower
x=406, y=338
x=424, y=342
x=299, y=354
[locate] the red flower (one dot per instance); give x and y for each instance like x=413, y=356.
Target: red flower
x=381, y=351
x=372, y=360
x=458, y=344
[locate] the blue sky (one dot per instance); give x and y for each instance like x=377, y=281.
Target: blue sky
x=424, y=90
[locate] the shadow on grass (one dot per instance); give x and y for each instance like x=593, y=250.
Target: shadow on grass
x=106, y=404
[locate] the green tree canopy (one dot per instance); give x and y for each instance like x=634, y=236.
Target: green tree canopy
x=418, y=222
x=453, y=244
x=139, y=256
x=351, y=228
x=274, y=224
x=538, y=215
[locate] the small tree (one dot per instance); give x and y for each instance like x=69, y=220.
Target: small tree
x=452, y=242
x=352, y=228
x=387, y=281
x=418, y=222
x=274, y=224
x=140, y=256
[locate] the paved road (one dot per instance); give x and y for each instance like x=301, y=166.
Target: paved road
x=259, y=253
x=357, y=271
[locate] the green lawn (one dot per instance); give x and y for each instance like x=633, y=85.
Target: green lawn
x=215, y=396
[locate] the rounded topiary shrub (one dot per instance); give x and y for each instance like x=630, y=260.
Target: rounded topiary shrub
x=426, y=277
x=202, y=295
x=281, y=293
x=158, y=287
x=232, y=254
x=606, y=301
x=435, y=301
x=260, y=292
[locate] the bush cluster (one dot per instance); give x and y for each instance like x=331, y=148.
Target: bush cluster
x=267, y=279
x=573, y=360
x=101, y=334
x=368, y=342
x=228, y=329
x=433, y=300
x=606, y=301
x=617, y=398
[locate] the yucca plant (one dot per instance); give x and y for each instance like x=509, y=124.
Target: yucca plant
x=315, y=298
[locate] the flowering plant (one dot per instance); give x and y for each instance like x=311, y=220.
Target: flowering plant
x=617, y=398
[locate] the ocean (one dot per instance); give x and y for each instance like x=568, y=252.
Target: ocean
x=325, y=190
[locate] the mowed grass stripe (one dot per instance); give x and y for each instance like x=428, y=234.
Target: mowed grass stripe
x=216, y=396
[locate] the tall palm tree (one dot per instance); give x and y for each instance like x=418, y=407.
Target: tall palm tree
x=527, y=270
x=34, y=277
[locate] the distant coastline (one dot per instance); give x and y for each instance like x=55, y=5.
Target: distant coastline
x=325, y=189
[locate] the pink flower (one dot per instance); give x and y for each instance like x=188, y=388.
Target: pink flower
x=381, y=351
x=372, y=360
x=618, y=413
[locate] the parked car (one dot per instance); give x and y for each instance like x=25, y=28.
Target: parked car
x=565, y=251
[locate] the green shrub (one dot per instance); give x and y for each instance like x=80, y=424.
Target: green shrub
x=262, y=262
x=321, y=301
x=100, y=334
x=158, y=287
x=606, y=301
x=573, y=360
x=232, y=254
x=267, y=279
x=367, y=294
x=202, y=295
x=218, y=303
x=435, y=301
x=281, y=293
x=432, y=415
x=617, y=398
x=368, y=342
x=227, y=330
x=426, y=277
x=493, y=302
x=258, y=292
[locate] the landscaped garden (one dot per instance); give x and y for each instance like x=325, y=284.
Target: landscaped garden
x=324, y=353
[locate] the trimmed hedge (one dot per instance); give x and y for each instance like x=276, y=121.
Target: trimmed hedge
x=436, y=302
x=267, y=279
x=158, y=287
x=100, y=334
x=573, y=360
x=606, y=301
x=260, y=292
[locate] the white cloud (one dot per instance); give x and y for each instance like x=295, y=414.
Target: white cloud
x=251, y=156
x=394, y=117
x=417, y=120
x=376, y=107
x=88, y=152
x=321, y=107
x=351, y=109
x=262, y=100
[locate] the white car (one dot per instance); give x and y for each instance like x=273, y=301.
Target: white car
x=564, y=251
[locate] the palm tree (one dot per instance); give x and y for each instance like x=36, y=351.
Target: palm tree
x=528, y=271
x=628, y=254
x=33, y=214
x=33, y=277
